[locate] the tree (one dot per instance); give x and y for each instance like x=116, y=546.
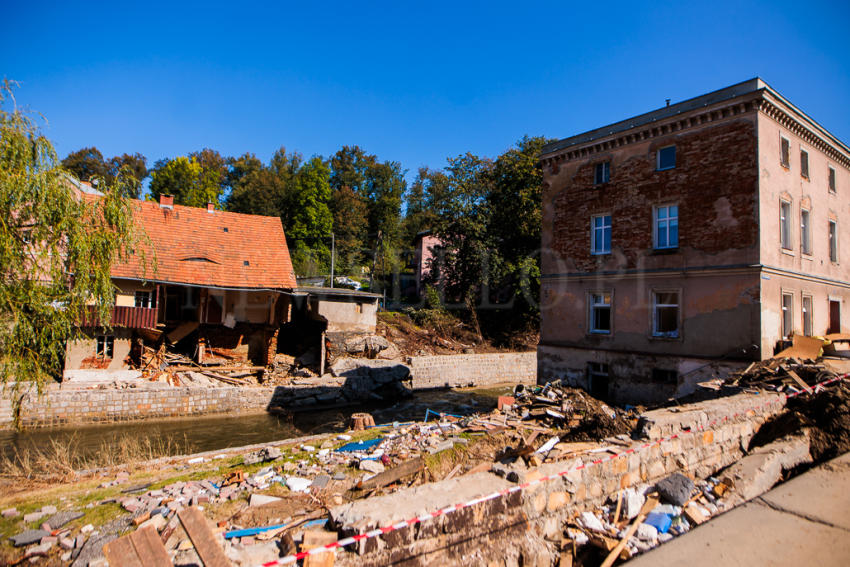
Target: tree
x=427, y=189
x=254, y=188
x=310, y=221
x=133, y=169
x=187, y=180
x=86, y=164
x=56, y=249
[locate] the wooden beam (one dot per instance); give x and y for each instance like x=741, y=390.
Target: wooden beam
x=650, y=503
x=202, y=537
x=149, y=548
x=392, y=475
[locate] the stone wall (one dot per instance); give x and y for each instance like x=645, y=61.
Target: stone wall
x=519, y=528
x=463, y=370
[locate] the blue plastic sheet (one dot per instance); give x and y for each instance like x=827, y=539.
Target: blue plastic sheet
x=659, y=521
x=359, y=445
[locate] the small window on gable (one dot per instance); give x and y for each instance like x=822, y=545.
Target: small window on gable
x=784, y=152
x=602, y=173
x=105, y=346
x=666, y=158
x=831, y=179
x=804, y=163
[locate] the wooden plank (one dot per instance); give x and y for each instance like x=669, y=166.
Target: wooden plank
x=395, y=474
x=314, y=539
x=202, y=537
x=650, y=503
x=121, y=552
x=149, y=548
x=800, y=382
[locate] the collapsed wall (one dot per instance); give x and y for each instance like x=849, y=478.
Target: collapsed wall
x=515, y=528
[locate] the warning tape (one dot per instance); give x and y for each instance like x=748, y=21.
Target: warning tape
x=519, y=487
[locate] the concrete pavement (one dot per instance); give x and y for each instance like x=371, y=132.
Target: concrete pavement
x=805, y=521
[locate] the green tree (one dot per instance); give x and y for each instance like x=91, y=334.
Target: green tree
x=86, y=164
x=254, y=188
x=309, y=221
x=133, y=169
x=56, y=249
x=427, y=189
x=186, y=179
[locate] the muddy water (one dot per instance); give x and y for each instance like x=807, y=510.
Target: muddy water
x=193, y=435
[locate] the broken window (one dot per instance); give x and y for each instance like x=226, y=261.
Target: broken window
x=787, y=314
x=600, y=234
x=666, y=158
x=665, y=314
x=804, y=163
x=667, y=227
x=662, y=376
x=805, y=232
x=784, y=151
x=600, y=313
x=785, y=224
x=602, y=173
x=831, y=179
x=105, y=346
x=807, y=315
x=833, y=241
x=144, y=299
x=597, y=378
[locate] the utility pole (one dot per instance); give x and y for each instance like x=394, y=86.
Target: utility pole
x=333, y=254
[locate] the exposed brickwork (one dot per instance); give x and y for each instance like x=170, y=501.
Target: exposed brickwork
x=712, y=163
x=462, y=370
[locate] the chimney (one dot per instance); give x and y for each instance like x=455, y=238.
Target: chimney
x=210, y=208
x=166, y=201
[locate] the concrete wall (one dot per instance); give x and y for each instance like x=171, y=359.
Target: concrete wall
x=82, y=353
x=462, y=370
x=524, y=528
x=346, y=315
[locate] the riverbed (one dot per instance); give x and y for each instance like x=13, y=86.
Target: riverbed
x=198, y=434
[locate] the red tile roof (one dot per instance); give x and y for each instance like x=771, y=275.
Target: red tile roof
x=214, y=249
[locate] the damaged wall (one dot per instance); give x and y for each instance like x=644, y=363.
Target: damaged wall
x=84, y=353
x=345, y=315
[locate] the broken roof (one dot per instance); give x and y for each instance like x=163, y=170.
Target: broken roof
x=209, y=248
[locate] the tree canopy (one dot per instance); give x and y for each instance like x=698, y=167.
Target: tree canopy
x=187, y=180
x=56, y=249
x=88, y=164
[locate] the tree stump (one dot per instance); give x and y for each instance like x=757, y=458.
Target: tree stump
x=360, y=421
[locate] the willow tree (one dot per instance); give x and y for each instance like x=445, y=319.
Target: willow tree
x=56, y=249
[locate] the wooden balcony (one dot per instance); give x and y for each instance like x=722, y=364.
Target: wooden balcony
x=130, y=317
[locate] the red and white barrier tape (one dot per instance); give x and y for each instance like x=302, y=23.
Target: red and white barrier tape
x=519, y=487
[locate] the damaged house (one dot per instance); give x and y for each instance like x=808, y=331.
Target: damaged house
x=689, y=241
x=220, y=289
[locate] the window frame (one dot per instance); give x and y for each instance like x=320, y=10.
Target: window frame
x=832, y=234
x=787, y=314
x=830, y=179
x=606, y=172
x=784, y=156
x=805, y=231
x=658, y=158
x=804, y=163
x=655, y=333
x=808, y=314
x=594, y=251
x=785, y=225
x=655, y=220
x=592, y=307
x=151, y=299
x=104, y=347
x=664, y=376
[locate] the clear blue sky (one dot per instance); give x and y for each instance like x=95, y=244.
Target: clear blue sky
x=410, y=82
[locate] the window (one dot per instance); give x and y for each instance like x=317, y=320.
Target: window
x=833, y=241
x=785, y=224
x=597, y=376
x=666, y=158
x=665, y=314
x=105, y=346
x=831, y=179
x=784, y=152
x=805, y=232
x=787, y=314
x=600, y=313
x=144, y=299
x=662, y=376
x=602, y=173
x=667, y=227
x=804, y=163
x=807, y=315
x=600, y=234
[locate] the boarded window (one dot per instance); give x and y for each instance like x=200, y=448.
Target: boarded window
x=665, y=314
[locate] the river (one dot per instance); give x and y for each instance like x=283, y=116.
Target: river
x=198, y=434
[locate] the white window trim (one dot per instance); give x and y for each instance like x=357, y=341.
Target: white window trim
x=605, y=179
x=610, y=226
x=787, y=164
x=785, y=245
x=833, y=241
x=806, y=230
x=653, y=316
x=811, y=299
x=655, y=243
x=658, y=158
x=782, y=307
x=590, y=309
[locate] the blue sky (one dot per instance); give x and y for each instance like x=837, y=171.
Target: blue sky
x=411, y=82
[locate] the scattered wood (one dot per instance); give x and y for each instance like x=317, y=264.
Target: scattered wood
x=650, y=503
x=318, y=538
x=142, y=548
x=392, y=475
x=202, y=537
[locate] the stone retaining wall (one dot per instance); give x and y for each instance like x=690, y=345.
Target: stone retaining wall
x=519, y=528
x=465, y=370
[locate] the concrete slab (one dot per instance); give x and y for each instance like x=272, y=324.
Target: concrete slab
x=783, y=527
x=821, y=494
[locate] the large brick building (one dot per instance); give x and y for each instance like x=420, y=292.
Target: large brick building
x=691, y=239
